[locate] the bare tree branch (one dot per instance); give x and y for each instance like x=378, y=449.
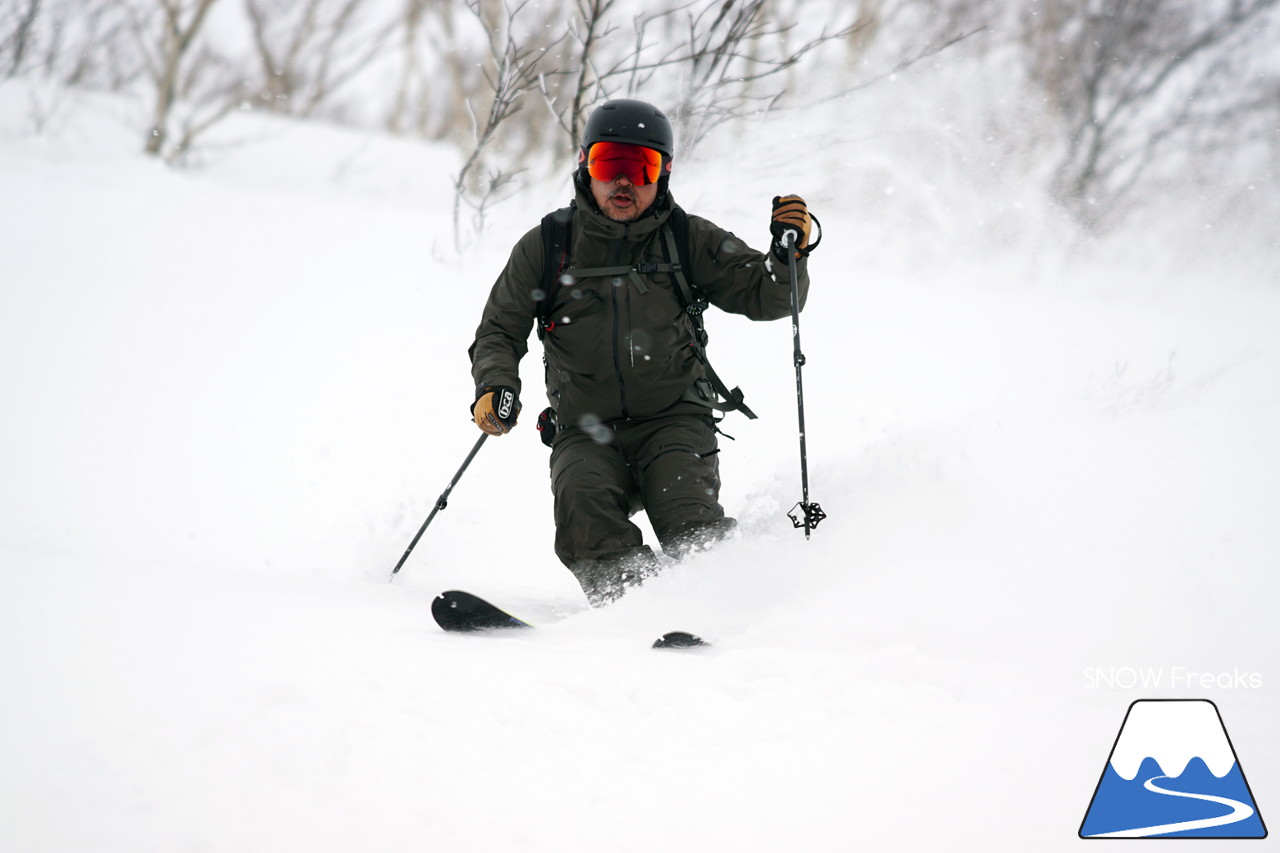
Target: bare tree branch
x=1124, y=76
x=19, y=39
x=175, y=40
x=514, y=72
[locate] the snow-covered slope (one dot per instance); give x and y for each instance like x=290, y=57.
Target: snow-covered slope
x=232, y=394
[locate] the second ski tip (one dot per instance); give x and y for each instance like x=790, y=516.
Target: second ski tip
x=679, y=640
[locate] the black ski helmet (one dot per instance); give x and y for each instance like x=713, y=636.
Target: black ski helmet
x=634, y=122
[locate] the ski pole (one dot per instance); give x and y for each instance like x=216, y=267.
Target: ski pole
x=441, y=502
x=811, y=511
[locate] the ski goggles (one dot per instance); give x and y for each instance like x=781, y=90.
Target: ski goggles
x=607, y=160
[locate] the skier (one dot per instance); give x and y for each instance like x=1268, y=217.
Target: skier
x=631, y=422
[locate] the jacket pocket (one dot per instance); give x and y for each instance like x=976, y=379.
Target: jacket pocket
x=577, y=329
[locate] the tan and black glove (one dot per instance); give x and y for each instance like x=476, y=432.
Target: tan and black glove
x=496, y=409
x=790, y=216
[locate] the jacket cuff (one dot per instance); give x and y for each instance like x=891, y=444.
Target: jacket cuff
x=490, y=384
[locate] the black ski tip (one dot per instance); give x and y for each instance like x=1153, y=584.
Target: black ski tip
x=456, y=610
x=679, y=640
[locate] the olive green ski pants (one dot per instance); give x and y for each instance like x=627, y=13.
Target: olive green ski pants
x=602, y=475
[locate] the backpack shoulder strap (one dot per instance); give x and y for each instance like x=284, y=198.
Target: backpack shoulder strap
x=676, y=237
x=556, y=233
x=717, y=395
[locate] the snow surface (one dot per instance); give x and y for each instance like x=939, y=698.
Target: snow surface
x=232, y=393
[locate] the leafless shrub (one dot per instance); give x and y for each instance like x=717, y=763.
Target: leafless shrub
x=76, y=43
x=307, y=51
x=1138, y=84
x=17, y=25
x=721, y=65
x=711, y=56
x=405, y=113
x=512, y=70
x=1130, y=79
x=590, y=28
x=166, y=34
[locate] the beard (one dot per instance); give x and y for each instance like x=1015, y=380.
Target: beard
x=623, y=202
x=623, y=206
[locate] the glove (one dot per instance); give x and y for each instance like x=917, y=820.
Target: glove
x=496, y=409
x=790, y=215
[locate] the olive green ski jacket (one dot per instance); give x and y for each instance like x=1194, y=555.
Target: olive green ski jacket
x=621, y=347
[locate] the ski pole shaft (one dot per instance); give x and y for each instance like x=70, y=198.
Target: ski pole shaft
x=441, y=502
x=812, y=512
x=798, y=357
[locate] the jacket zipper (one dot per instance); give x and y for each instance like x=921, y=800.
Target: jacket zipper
x=617, y=326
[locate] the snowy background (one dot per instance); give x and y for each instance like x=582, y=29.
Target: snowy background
x=233, y=392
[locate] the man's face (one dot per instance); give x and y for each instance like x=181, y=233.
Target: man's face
x=621, y=200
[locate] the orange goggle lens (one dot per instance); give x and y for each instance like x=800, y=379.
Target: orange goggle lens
x=607, y=160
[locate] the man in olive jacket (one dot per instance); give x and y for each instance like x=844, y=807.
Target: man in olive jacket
x=631, y=395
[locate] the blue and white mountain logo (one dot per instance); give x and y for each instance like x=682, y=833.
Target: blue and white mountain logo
x=1173, y=773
